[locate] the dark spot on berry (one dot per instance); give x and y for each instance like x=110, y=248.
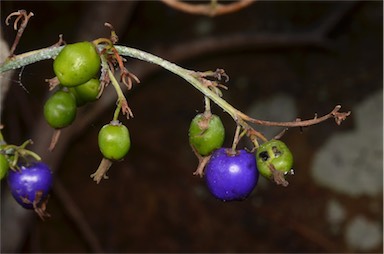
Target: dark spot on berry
x=276, y=151
x=264, y=155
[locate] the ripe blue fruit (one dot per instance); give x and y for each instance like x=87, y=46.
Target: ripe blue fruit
x=31, y=184
x=231, y=175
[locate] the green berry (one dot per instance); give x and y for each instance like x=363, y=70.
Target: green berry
x=86, y=92
x=273, y=153
x=114, y=141
x=4, y=166
x=77, y=63
x=60, y=109
x=206, y=133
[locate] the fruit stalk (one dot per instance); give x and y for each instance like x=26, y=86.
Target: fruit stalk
x=239, y=117
x=120, y=95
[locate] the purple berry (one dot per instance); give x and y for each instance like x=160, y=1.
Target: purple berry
x=231, y=175
x=31, y=184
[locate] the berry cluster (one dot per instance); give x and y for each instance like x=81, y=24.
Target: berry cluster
x=76, y=83
x=76, y=68
x=78, y=74
x=84, y=69
x=230, y=173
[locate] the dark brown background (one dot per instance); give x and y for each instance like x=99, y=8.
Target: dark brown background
x=152, y=203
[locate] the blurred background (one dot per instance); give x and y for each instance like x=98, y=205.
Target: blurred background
x=284, y=59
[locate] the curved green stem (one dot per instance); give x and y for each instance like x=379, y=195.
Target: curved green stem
x=30, y=57
x=15, y=152
x=239, y=117
x=24, y=153
x=120, y=95
x=184, y=73
x=47, y=53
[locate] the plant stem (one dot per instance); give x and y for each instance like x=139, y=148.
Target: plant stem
x=236, y=137
x=47, y=53
x=30, y=57
x=183, y=73
x=207, y=104
x=238, y=116
x=120, y=95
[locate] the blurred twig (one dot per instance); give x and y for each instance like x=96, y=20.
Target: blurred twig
x=301, y=229
x=210, y=9
x=76, y=215
x=335, y=18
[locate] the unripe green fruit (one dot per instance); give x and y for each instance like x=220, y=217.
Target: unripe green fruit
x=114, y=141
x=86, y=92
x=276, y=153
x=60, y=109
x=77, y=63
x=206, y=134
x=4, y=166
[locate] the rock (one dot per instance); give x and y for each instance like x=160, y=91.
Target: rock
x=352, y=162
x=335, y=215
x=369, y=114
x=363, y=234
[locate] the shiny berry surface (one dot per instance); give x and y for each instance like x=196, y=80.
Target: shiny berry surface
x=77, y=63
x=31, y=184
x=231, y=176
